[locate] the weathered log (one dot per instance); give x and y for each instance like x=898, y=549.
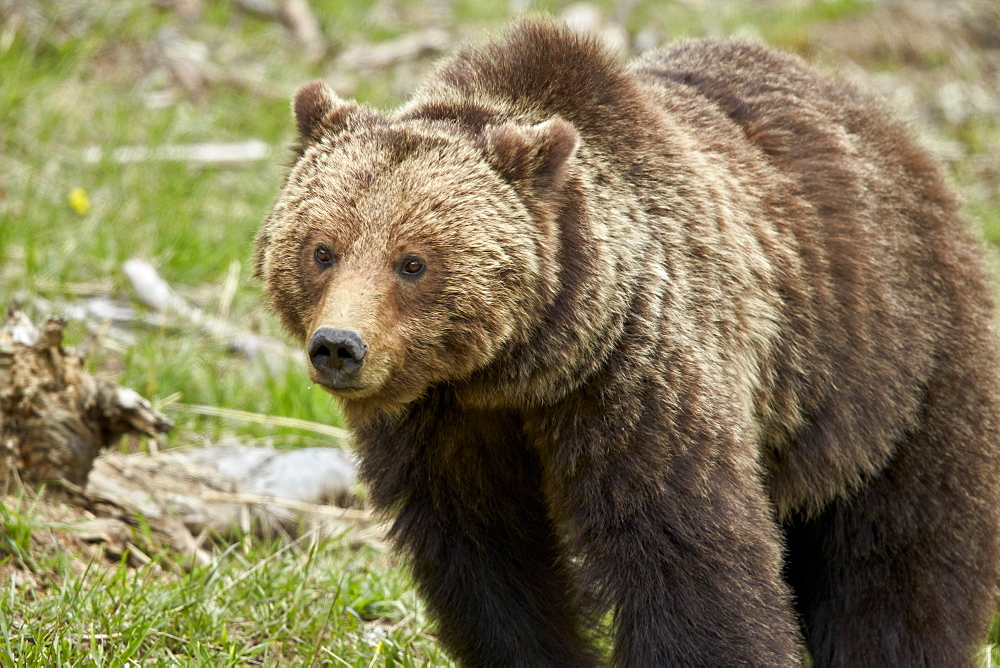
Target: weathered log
x=233, y=489
x=54, y=416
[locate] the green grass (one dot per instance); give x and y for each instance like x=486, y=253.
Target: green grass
x=260, y=603
x=84, y=74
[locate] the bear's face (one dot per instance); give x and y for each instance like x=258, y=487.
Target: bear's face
x=404, y=254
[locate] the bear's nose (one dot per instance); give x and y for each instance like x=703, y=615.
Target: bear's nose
x=337, y=354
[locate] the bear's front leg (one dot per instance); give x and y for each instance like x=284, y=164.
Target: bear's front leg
x=470, y=516
x=675, y=537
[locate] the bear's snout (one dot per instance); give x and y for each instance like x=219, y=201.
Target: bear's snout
x=337, y=355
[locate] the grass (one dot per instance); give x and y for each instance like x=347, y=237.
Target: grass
x=261, y=602
x=82, y=73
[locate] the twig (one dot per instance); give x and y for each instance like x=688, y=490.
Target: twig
x=384, y=54
x=157, y=294
x=208, y=152
x=137, y=554
x=346, y=514
x=271, y=557
x=300, y=20
x=260, y=8
x=268, y=420
x=295, y=15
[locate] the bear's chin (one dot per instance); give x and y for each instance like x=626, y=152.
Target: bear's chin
x=373, y=399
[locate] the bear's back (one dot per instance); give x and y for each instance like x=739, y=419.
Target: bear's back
x=879, y=270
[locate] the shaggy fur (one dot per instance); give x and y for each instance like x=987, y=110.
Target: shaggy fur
x=701, y=340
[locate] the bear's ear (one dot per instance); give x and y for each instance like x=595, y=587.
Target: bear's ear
x=532, y=155
x=318, y=110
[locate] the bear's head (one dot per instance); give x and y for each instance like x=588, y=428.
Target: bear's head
x=406, y=253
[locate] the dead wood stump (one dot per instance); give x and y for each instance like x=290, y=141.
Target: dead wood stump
x=54, y=416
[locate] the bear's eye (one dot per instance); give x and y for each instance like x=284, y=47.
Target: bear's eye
x=323, y=255
x=411, y=266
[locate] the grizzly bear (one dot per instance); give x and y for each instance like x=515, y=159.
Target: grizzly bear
x=700, y=341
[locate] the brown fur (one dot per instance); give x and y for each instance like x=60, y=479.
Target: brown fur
x=701, y=339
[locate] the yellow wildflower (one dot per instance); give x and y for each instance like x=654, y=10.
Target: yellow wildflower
x=79, y=200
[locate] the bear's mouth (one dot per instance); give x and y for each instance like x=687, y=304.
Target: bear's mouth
x=337, y=386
